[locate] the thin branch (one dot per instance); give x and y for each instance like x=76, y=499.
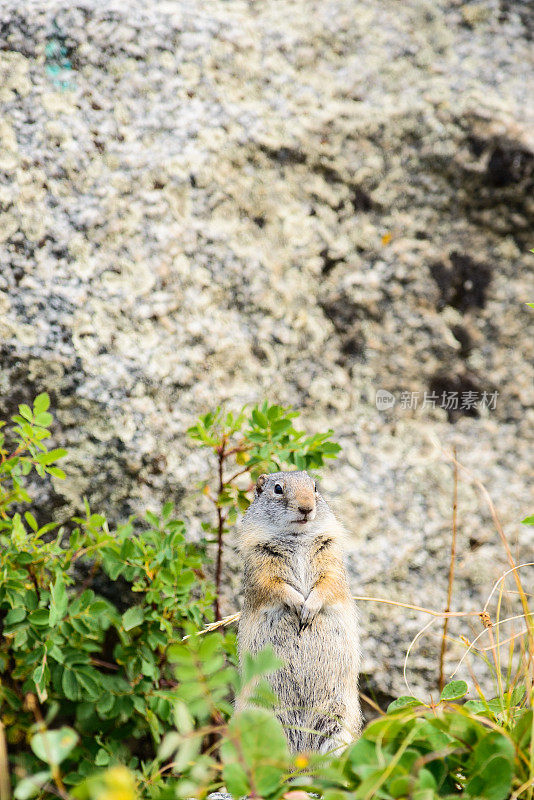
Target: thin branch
x=441, y=680
x=241, y=472
x=5, y=784
x=221, y=455
x=417, y=608
x=212, y=626
x=475, y=640
x=501, y=533
x=371, y=702
x=502, y=578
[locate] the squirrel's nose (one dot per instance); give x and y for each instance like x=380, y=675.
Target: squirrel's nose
x=305, y=509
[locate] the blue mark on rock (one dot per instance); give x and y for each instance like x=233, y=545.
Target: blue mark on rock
x=58, y=65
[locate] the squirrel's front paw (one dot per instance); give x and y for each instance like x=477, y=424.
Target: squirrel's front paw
x=294, y=601
x=310, y=608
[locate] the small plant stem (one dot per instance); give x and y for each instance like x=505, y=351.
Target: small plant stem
x=5, y=787
x=384, y=775
x=371, y=702
x=221, y=455
x=33, y=706
x=235, y=617
x=495, y=660
x=240, y=472
x=441, y=681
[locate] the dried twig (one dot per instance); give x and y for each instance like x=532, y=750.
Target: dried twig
x=221, y=455
x=5, y=786
x=441, y=680
x=214, y=625
x=502, y=536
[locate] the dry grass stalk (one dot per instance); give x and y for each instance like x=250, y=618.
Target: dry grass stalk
x=441, y=680
x=5, y=786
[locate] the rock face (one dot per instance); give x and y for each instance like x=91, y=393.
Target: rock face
x=304, y=201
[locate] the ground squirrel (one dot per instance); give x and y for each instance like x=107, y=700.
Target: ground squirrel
x=297, y=599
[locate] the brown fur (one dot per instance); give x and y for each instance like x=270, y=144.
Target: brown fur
x=297, y=600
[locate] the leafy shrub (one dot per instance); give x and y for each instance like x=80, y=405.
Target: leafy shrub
x=115, y=697
x=102, y=667
x=70, y=655
x=446, y=752
x=248, y=443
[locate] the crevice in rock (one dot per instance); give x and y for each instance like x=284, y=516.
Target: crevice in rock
x=462, y=282
x=284, y=155
x=524, y=10
x=464, y=385
x=507, y=167
x=462, y=335
x=329, y=262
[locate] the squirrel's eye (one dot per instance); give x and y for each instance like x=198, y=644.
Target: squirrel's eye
x=278, y=489
x=314, y=487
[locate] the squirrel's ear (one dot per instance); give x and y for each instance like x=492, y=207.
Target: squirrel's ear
x=259, y=484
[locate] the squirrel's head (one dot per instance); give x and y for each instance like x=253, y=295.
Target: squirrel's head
x=285, y=503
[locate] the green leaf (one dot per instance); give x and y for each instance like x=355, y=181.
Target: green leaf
x=102, y=758
x=58, y=601
x=517, y=694
x=132, y=618
x=475, y=706
x=182, y=718
x=26, y=412
x=528, y=520
x=30, y=519
x=268, y=778
x=401, y=786
x=454, y=690
x=152, y=519
x=245, y=757
x=18, y=531
x=280, y=426
x=336, y=794
x=363, y=752
x=43, y=419
x=50, y=456
x=41, y=677
x=105, y=704
x=492, y=781
x=15, y=615
x=186, y=753
x=259, y=419
x=263, y=663
x=235, y=780
x=405, y=701
x=70, y=685
x=56, y=472
x=41, y=403
x=30, y=786
x=40, y=617
x=53, y=747
x=522, y=730
x=490, y=767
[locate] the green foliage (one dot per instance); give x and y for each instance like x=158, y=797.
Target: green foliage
x=116, y=697
x=91, y=681
x=421, y=754
x=263, y=439
x=67, y=653
x=245, y=444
